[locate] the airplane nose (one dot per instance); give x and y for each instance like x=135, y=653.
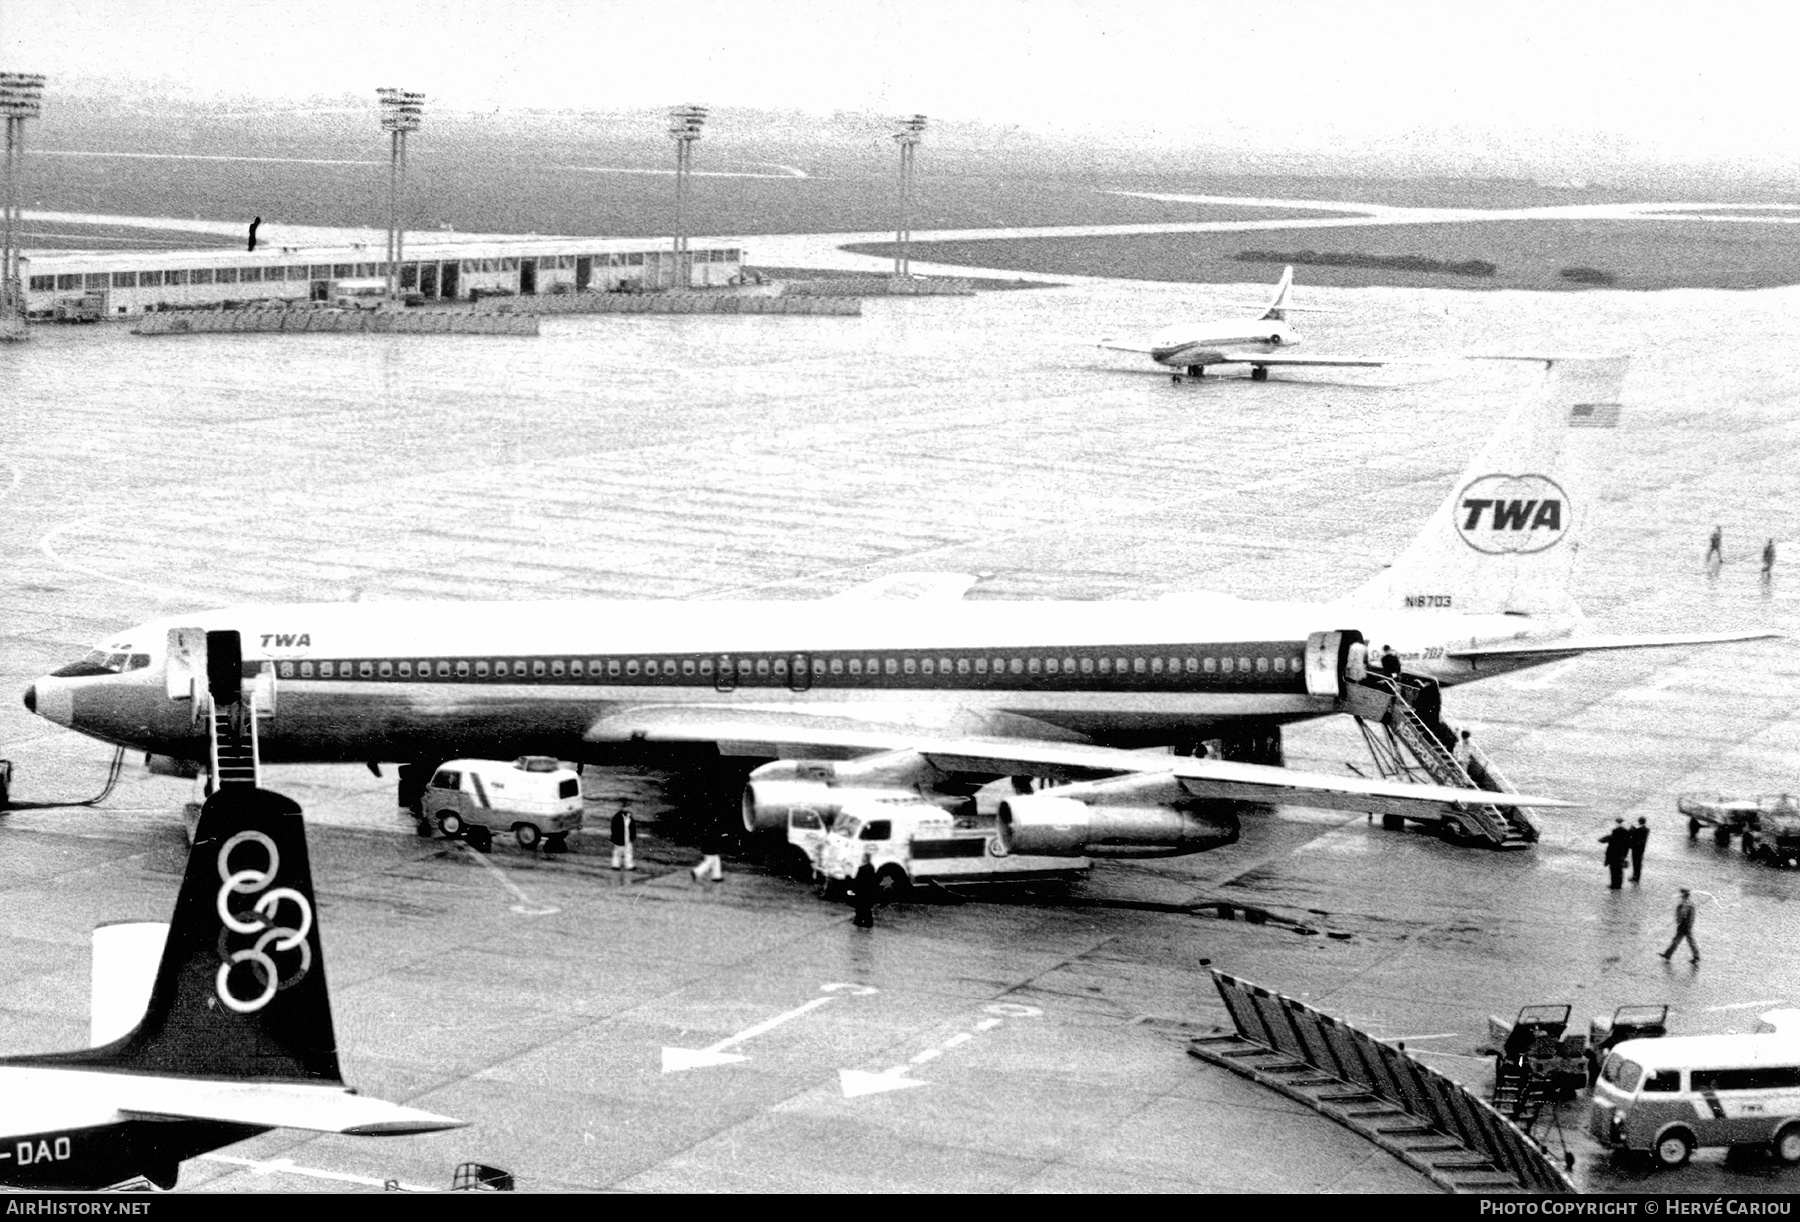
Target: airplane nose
x=51, y=699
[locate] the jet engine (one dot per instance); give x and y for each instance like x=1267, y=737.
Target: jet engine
x=826, y=786
x=1050, y=826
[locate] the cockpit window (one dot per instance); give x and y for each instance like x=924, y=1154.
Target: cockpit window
x=109, y=661
x=99, y=662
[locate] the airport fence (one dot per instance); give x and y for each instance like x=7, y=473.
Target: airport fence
x=1378, y=1090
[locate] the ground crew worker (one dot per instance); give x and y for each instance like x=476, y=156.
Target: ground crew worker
x=862, y=894
x=1684, y=927
x=1640, y=839
x=624, y=835
x=1618, y=849
x=1715, y=548
x=1463, y=751
x=1390, y=662
x=1768, y=558
x=710, y=865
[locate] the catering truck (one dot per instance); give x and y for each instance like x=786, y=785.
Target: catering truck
x=900, y=842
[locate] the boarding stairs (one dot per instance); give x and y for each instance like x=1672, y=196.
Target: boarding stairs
x=235, y=750
x=1406, y=748
x=1521, y=1096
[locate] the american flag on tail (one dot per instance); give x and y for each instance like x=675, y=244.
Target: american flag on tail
x=1594, y=415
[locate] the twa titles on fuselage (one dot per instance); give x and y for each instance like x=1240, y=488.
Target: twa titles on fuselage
x=1263, y=342
x=920, y=693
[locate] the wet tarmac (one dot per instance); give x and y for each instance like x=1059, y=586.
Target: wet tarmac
x=694, y=457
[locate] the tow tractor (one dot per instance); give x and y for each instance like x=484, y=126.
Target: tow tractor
x=1775, y=838
x=1536, y=1054
x=1729, y=814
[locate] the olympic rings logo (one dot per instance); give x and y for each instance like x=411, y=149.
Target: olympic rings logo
x=272, y=937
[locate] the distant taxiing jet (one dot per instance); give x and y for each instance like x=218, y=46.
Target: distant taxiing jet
x=925, y=696
x=1262, y=343
x=236, y=1039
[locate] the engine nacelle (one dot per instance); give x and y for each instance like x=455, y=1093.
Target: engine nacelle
x=825, y=786
x=1047, y=826
x=769, y=801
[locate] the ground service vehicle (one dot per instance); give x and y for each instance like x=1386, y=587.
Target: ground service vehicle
x=1775, y=838
x=1729, y=813
x=534, y=797
x=1674, y=1095
x=363, y=294
x=900, y=843
x=1537, y=1047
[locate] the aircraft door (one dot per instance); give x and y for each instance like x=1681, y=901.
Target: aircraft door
x=225, y=666
x=1326, y=653
x=799, y=672
x=186, y=662
x=724, y=672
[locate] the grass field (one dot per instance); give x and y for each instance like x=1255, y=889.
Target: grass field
x=1642, y=255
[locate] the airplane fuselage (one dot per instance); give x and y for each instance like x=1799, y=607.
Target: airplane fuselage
x=1213, y=343
x=400, y=681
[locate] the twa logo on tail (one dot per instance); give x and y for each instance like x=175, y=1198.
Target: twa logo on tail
x=1512, y=514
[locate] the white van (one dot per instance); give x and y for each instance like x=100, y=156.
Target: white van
x=534, y=797
x=902, y=842
x=363, y=294
x=1671, y=1096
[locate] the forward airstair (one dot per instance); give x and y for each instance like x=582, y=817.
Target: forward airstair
x=235, y=752
x=1407, y=747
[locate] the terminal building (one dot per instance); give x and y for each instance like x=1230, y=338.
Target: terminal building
x=137, y=282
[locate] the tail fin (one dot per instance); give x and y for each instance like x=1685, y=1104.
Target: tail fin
x=1505, y=540
x=1278, y=304
x=240, y=992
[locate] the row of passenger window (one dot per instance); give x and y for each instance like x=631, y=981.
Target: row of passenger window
x=331, y=271
x=784, y=668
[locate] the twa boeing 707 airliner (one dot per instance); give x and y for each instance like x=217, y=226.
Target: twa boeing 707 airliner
x=902, y=688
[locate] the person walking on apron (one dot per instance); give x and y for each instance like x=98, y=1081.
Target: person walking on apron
x=1684, y=927
x=624, y=836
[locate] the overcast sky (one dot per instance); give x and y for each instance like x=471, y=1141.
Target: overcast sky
x=1682, y=82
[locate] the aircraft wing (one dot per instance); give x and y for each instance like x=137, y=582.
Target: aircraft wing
x=324, y=1109
x=774, y=727
x=1570, y=647
x=1285, y=358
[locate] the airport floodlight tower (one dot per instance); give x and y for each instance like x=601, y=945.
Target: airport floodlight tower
x=401, y=111
x=21, y=98
x=684, y=125
x=912, y=130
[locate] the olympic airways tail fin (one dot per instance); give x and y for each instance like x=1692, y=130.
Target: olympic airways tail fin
x=240, y=992
x=1278, y=304
x=1506, y=538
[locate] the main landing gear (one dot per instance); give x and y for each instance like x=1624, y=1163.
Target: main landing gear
x=1193, y=371
x=1259, y=373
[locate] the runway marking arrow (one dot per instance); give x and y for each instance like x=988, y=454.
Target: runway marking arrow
x=855, y=1082
x=675, y=1060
